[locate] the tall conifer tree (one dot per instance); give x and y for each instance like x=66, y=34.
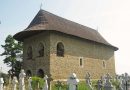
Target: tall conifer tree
x=13, y=52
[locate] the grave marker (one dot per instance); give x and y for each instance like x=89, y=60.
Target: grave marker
x=46, y=83
x=21, y=80
x=73, y=82
x=1, y=83
x=14, y=82
x=108, y=85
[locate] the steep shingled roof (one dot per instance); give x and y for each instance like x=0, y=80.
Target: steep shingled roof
x=45, y=21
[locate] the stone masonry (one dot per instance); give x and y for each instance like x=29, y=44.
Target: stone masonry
x=98, y=59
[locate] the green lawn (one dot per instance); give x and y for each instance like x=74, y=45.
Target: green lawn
x=81, y=86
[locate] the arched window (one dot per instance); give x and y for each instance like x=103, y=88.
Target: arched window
x=40, y=50
x=60, y=49
x=29, y=53
x=40, y=73
x=28, y=73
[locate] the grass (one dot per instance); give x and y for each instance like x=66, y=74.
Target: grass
x=63, y=86
x=81, y=86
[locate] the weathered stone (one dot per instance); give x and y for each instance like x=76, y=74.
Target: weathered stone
x=45, y=87
x=88, y=81
x=108, y=85
x=73, y=82
x=1, y=83
x=14, y=83
x=99, y=85
x=93, y=55
x=21, y=80
x=29, y=83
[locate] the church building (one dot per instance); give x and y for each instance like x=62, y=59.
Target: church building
x=58, y=47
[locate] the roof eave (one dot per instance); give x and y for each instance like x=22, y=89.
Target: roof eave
x=20, y=36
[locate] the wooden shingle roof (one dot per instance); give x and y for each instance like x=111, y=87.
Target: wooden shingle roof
x=45, y=21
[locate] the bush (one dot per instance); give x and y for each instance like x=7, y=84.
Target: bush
x=59, y=85
x=116, y=84
x=37, y=81
x=81, y=86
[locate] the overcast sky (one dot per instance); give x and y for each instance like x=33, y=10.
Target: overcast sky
x=110, y=17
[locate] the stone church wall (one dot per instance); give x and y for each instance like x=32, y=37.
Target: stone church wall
x=98, y=59
x=92, y=54
x=37, y=62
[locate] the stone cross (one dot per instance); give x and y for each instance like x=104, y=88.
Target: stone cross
x=122, y=81
x=46, y=83
x=126, y=77
x=21, y=80
x=88, y=78
x=88, y=81
x=121, y=84
x=126, y=83
x=103, y=80
x=108, y=77
x=1, y=83
x=73, y=82
x=117, y=78
x=29, y=83
x=108, y=85
x=99, y=85
x=14, y=82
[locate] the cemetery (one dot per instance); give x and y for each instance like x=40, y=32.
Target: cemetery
x=106, y=82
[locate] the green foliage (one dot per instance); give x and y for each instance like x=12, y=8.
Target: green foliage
x=94, y=83
x=116, y=84
x=64, y=86
x=59, y=86
x=83, y=86
x=36, y=81
x=12, y=49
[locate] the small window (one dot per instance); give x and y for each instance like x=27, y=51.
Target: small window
x=104, y=64
x=29, y=53
x=60, y=50
x=81, y=61
x=40, y=50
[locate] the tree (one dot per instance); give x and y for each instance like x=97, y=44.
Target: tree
x=13, y=52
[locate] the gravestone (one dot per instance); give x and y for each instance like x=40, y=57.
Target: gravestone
x=108, y=85
x=99, y=85
x=72, y=82
x=1, y=83
x=14, y=83
x=29, y=83
x=103, y=80
x=123, y=81
x=88, y=81
x=46, y=83
x=117, y=78
x=21, y=80
x=126, y=83
x=121, y=84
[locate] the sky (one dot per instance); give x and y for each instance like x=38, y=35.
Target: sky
x=110, y=17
